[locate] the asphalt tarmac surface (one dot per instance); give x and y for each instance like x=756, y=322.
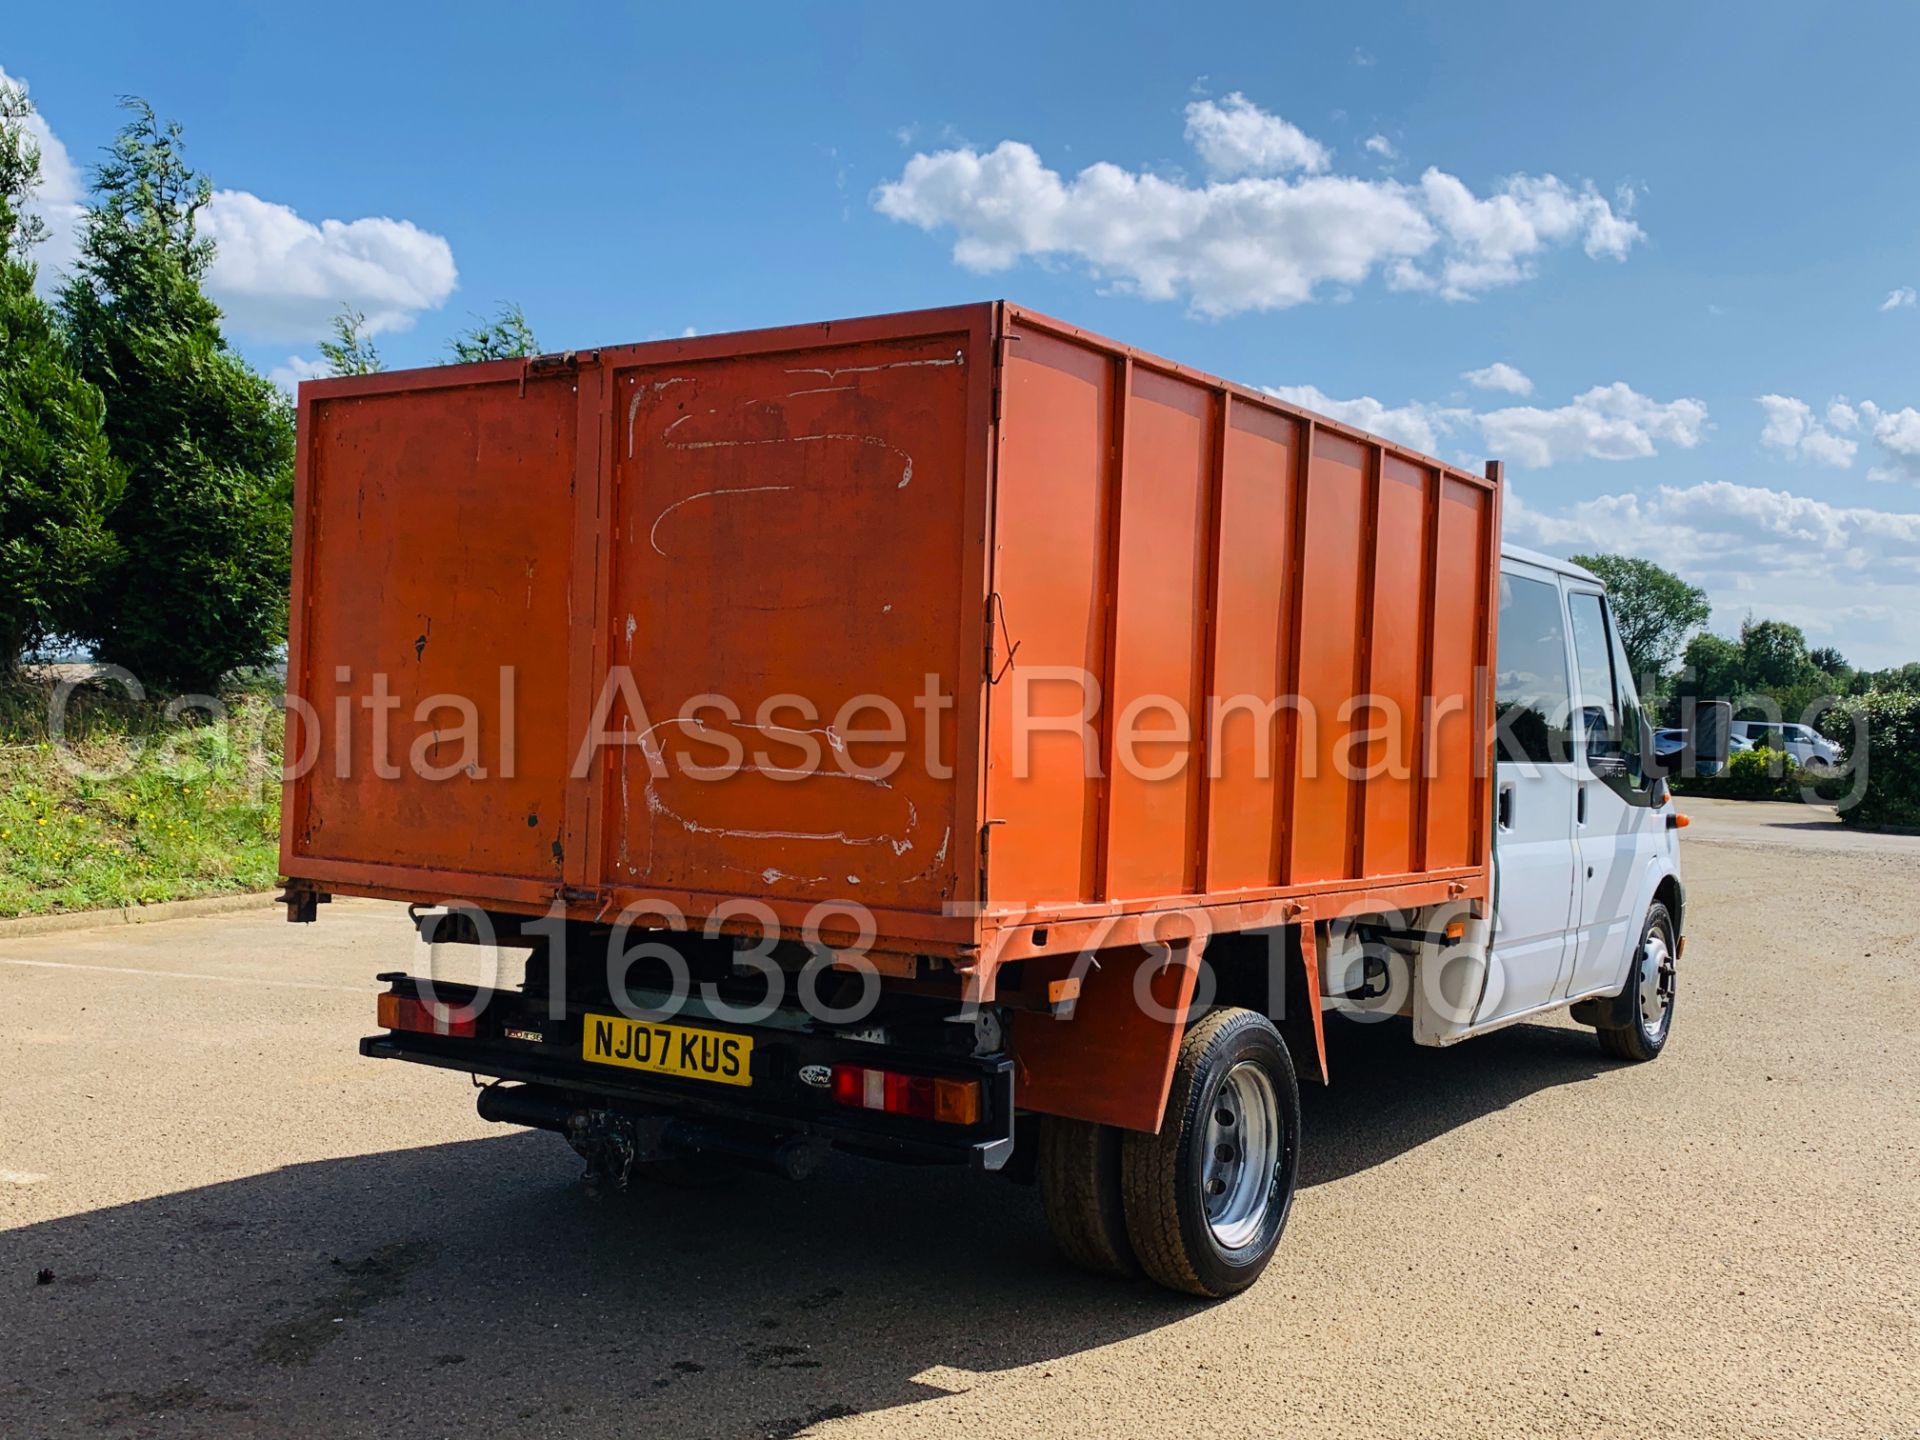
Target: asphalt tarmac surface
x=252, y=1231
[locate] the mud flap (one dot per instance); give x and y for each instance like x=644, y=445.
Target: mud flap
x=1310, y=974
x=1111, y=1060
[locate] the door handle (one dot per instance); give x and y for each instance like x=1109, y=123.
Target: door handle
x=1505, y=813
x=1580, y=804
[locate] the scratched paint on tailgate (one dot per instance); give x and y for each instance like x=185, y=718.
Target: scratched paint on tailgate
x=788, y=537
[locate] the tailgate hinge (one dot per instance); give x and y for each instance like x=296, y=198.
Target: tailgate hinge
x=986, y=834
x=559, y=362
x=999, y=371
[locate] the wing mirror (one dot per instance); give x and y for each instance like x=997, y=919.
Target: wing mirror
x=1708, y=730
x=1708, y=738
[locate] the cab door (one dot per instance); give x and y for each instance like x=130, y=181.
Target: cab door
x=1535, y=784
x=1615, y=826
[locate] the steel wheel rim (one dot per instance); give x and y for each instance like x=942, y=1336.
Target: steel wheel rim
x=1656, y=984
x=1243, y=1150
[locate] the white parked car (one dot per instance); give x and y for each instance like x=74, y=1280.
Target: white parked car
x=1808, y=749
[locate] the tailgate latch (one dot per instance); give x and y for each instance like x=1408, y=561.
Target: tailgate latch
x=997, y=611
x=303, y=900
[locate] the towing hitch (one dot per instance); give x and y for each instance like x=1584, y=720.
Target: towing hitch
x=613, y=1142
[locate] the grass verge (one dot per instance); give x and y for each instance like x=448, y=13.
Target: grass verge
x=124, y=805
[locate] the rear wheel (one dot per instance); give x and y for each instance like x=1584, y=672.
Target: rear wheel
x=1207, y=1198
x=1642, y=1018
x=1079, y=1173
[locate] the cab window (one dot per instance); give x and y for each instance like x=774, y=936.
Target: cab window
x=1609, y=708
x=1532, y=698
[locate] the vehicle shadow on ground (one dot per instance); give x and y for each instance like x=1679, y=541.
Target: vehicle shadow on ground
x=1388, y=1095
x=1827, y=826
x=472, y=1288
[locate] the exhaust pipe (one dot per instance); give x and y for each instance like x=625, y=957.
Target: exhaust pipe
x=526, y=1105
x=791, y=1157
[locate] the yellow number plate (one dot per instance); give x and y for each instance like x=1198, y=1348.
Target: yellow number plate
x=667, y=1049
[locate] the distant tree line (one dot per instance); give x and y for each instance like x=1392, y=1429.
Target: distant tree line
x=146, y=470
x=1770, y=673
x=1660, y=617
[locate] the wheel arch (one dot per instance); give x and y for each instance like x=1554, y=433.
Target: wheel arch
x=1660, y=882
x=1276, y=973
x=1669, y=891
x=1110, y=1060
x=1105, y=1057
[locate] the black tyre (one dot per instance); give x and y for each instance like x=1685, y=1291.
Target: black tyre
x=1639, y=1021
x=1079, y=1174
x=1207, y=1198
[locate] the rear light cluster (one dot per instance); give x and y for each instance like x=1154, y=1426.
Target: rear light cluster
x=428, y=1017
x=923, y=1097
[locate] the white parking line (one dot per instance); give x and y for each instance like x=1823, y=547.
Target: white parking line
x=368, y=989
x=20, y=1177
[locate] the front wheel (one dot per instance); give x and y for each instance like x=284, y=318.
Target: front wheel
x=1207, y=1197
x=1641, y=1020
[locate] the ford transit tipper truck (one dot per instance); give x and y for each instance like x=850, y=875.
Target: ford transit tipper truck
x=952, y=737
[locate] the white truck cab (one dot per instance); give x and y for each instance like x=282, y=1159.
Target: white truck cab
x=1588, y=902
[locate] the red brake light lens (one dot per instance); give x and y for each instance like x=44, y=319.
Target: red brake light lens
x=920, y=1097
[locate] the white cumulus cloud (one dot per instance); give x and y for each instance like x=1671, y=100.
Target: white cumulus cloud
x=1607, y=422
x=1901, y=298
x=1235, y=137
x=1793, y=429
x=1495, y=238
x=1417, y=425
x=1897, y=433
x=1381, y=146
x=1499, y=376
x=1848, y=574
x=1270, y=229
x=276, y=275
x=279, y=276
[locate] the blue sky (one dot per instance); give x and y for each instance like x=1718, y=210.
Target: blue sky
x=1351, y=204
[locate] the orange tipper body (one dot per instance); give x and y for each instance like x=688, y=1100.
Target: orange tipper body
x=867, y=612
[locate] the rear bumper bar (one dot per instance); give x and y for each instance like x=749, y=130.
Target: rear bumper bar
x=779, y=1104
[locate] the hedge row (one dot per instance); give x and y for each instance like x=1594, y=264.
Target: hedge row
x=1890, y=723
